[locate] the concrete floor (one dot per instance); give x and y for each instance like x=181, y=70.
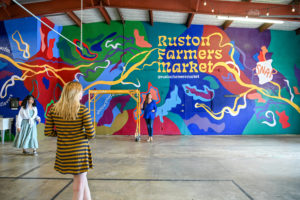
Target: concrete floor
x=170, y=168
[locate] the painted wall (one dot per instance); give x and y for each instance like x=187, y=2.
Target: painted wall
x=204, y=80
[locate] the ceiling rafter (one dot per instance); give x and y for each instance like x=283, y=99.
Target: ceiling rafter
x=4, y=7
x=7, y=2
x=151, y=17
x=189, y=20
x=121, y=16
x=104, y=13
x=74, y=17
x=226, y=24
x=264, y=27
x=183, y=6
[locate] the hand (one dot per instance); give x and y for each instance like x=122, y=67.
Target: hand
x=39, y=120
x=19, y=130
x=153, y=110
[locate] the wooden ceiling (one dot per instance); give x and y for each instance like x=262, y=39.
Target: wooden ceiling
x=288, y=11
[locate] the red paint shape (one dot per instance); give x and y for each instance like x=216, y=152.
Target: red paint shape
x=140, y=41
x=262, y=54
x=166, y=128
x=256, y=96
x=296, y=91
x=46, y=94
x=50, y=51
x=283, y=119
x=87, y=49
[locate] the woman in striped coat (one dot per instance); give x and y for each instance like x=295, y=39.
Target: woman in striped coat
x=71, y=123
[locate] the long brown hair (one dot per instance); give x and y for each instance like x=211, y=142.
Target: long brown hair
x=68, y=105
x=146, y=100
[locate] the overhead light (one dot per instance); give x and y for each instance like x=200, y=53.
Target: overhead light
x=293, y=9
x=204, y=3
x=251, y=19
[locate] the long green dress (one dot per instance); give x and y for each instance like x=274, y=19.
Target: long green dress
x=27, y=137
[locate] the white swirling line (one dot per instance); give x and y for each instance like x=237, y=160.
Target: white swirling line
x=103, y=67
x=7, y=84
x=274, y=120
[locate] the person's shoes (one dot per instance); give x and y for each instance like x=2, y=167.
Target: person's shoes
x=35, y=153
x=25, y=152
x=149, y=140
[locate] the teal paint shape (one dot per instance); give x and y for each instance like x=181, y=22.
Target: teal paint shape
x=179, y=123
x=212, y=82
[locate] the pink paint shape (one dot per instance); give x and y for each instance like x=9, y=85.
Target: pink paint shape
x=140, y=41
x=256, y=96
x=283, y=119
x=208, y=94
x=296, y=91
x=43, y=45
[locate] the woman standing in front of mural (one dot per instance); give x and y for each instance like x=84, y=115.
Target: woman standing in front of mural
x=26, y=136
x=149, y=108
x=71, y=123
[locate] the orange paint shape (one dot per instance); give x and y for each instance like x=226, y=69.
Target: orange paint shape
x=140, y=41
x=256, y=96
x=296, y=91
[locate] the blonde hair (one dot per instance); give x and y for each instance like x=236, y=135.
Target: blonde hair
x=68, y=104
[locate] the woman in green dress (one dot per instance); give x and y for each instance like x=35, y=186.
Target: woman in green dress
x=26, y=136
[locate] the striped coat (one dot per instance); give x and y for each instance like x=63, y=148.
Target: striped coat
x=73, y=153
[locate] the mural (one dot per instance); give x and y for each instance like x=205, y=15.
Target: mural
x=205, y=81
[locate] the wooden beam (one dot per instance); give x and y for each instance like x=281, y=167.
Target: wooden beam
x=4, y=6
x=121, y=16
x=151, y=17
x=227, y=8
x=297, y=31
x=7, y=2
x=104, y=13
x=74, y=17
x=264, y=27
x=45, y=8
x=226, y=24
x=189, y=20
x=94, y=2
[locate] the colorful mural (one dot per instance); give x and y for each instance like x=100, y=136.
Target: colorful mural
x=205, y=80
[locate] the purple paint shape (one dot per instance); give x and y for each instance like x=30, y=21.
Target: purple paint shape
x=5, y=74
x=297, y=74
x=116, y=66
x=204, y=123
x=108, y=116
